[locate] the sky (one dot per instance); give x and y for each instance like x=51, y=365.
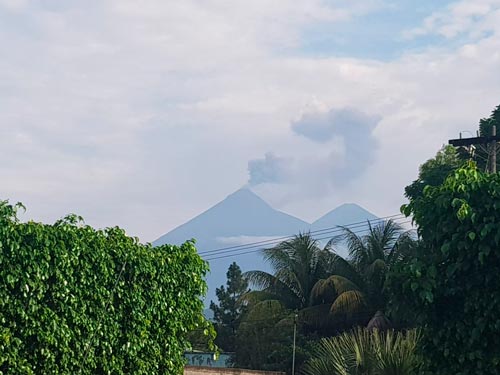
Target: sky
x=143, y=114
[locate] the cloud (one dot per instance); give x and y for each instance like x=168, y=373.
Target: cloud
x=348, y=123
x=115, y=109
x=270, y=169
x=471, y=19
x=356, y=131
x=343, y=147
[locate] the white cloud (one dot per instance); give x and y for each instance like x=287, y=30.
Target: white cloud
x=469, y=18
x=13, y=5
x=144, y=114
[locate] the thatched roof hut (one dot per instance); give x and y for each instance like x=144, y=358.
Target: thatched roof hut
x=379, y=321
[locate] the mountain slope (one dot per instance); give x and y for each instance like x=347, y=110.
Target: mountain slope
x=242, y=213
x=242, y=218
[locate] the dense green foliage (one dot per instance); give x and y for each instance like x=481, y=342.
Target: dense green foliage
x=434, y=171
x=264, y=339
x=75, y=300
x=366, y=352
x=451, y=282
x=485, y=129
x=228, y=311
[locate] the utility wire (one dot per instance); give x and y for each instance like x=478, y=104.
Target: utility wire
x=239, y=252
x=315, y=232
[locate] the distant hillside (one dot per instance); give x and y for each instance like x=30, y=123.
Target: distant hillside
x=244, y=217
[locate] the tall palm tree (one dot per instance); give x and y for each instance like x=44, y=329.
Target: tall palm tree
x=307, y=278
x=324, y=287
x=298, y=264
x=373, y=254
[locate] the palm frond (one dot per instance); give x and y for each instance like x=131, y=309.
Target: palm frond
x=356, y=247
x=264, y=310
x=342, y=267
x=349, y=303
x=396, y=352
x=260, y=279
x=329, y=289
x=376, y=268
x=253, y=297
x=348, y=354
x=317, y=316
x=274, y=286
x=368, y=352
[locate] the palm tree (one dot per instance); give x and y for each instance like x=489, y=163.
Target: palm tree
x=326, y=289
x=372, y=255
x=355, y=288
x=307, y=278
x=366, y=352
x=298, y=264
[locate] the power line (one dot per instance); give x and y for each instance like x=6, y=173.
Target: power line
x=319, y=232
x=236, y=253
x=331, y=233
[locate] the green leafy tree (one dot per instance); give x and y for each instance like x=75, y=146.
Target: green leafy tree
x=264, y=339
x=434, y=171
x=75, y=300
x=452, y=282
x=227, y=313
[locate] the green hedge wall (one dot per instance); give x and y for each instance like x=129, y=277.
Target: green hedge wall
x=76, y=300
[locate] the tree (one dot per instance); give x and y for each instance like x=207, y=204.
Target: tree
x=481, y=154
x=434, y=171
x=373, y=255
x=329, y=292
x=298, y=264
x=76, y=300
x=452, y=281
x=228, y=312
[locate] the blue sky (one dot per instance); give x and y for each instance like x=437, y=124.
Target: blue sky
x=144, y=114
x=378, y=34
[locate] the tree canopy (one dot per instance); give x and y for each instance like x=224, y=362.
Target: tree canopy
x=451, y=281
x=228, y=310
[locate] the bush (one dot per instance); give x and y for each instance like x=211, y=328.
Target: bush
x=75, y=300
